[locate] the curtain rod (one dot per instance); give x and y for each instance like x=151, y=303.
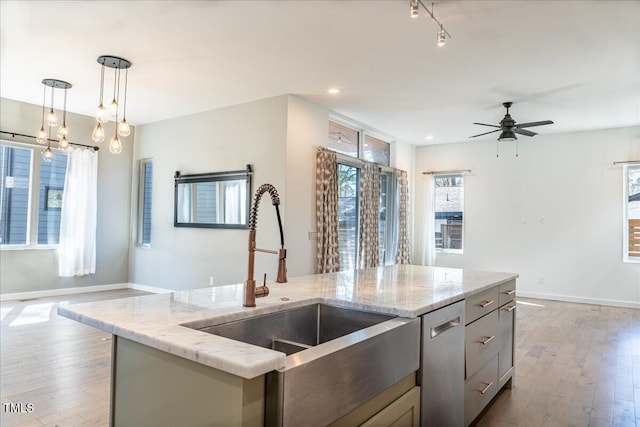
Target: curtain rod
x=361, y=162
x=14, y=134
x=448, y=171
x=627, y=162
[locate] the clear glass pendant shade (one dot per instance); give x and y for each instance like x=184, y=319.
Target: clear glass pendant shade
x=63, y=143
x=42, y=136
x=123, y=128
x=98, y=133
x=63, y=131
x=47, y=155
x=115, y=146
x=52, y=119
x=101, y=114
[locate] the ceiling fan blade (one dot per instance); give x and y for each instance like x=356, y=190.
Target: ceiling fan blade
x=484, y=124
x=525, y=132
x=530, y=124
x=497, y=130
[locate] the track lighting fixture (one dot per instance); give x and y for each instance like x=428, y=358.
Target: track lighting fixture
x=442, y=34
x=415, y=8
x=44, y=134
x=122, y=128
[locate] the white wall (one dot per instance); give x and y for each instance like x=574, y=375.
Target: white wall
x=553, y=215
x=214, y=141
x=37, y=269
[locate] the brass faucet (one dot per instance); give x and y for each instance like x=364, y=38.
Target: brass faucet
x=251, y=292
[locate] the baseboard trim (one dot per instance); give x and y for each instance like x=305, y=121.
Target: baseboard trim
x=80, y=290
x=580, y=300
x=62, y=291
x=152, y=289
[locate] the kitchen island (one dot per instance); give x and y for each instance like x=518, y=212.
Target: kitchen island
x=151, y=339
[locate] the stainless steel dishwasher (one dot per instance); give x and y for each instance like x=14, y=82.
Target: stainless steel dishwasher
x=442, y=376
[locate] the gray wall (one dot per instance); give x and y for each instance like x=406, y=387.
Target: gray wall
x=37, y=269
x=213, y=141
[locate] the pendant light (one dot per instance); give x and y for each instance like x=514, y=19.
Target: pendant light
x=44, y=135
x=102, y=115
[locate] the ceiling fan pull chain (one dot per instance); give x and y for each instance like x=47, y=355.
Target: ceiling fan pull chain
x=497, y=149
x=516, y=148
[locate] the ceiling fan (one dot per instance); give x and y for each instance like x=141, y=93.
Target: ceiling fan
x=509, y=128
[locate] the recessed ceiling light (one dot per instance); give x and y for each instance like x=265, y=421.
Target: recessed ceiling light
x=333, y=90
x=429, y=137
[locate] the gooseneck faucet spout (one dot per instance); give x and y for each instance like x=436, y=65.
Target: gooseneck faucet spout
x=251, y=292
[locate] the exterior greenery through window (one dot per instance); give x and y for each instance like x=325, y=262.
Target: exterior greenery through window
x=449, y=212
x=632, y=213
x=30, y=214
x=359, y=145
x=144, y=202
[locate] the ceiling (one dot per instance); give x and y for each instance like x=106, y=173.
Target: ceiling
x=574, y=62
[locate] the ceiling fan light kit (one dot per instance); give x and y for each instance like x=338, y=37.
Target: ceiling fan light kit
x=508, y=127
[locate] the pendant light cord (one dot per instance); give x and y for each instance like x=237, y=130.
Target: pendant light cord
x=126, y=82
x=44, y=101
x=101, y=83
x=64, y=112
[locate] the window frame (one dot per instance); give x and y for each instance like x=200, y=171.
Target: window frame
x=625, y=214
x=141, y=196
x=390, y=238
x=462, y=237
x=34, y=195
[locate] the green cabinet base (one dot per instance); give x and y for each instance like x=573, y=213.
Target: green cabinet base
x=151, y=387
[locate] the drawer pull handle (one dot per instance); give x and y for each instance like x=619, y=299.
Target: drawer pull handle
x=486, y=389
x=510, y=308
x=437, y=330
x=486, y=303
x=511, y=292
x=486, y=341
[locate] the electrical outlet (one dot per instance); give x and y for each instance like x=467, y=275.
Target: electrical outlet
x=313, y=235
x=541, y=280
x=211, y=281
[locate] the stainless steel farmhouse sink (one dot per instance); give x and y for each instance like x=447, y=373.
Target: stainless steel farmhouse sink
x=337, y=358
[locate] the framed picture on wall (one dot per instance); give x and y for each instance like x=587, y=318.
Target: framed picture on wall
x=53, y=198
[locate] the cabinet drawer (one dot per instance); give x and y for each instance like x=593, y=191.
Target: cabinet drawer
x=404, y=412
x=480, y=389
x=481, y=304
x=507, y=292
x=481, y=342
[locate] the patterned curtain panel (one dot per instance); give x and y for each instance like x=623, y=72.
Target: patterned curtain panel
x=328, y=253
x=369, y=254
x=402, y=255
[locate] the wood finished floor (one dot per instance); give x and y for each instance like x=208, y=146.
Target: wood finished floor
x=576, y=365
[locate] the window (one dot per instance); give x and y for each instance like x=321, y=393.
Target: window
x=449, y=212
x=345, y=140
x=376, y=150
x=29, y=214
x=144, y=202
x=632, y=213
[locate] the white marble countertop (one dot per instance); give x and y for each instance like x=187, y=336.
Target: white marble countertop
x=155, y=320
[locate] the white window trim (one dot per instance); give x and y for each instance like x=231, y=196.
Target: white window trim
x=140, y=225
x=34, y=177
x=625, y=217
x=464, y=221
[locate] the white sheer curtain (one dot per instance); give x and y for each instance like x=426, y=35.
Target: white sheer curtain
x=429, y=229
x=77, y=250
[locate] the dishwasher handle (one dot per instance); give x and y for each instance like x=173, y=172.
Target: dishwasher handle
x=443, y=327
